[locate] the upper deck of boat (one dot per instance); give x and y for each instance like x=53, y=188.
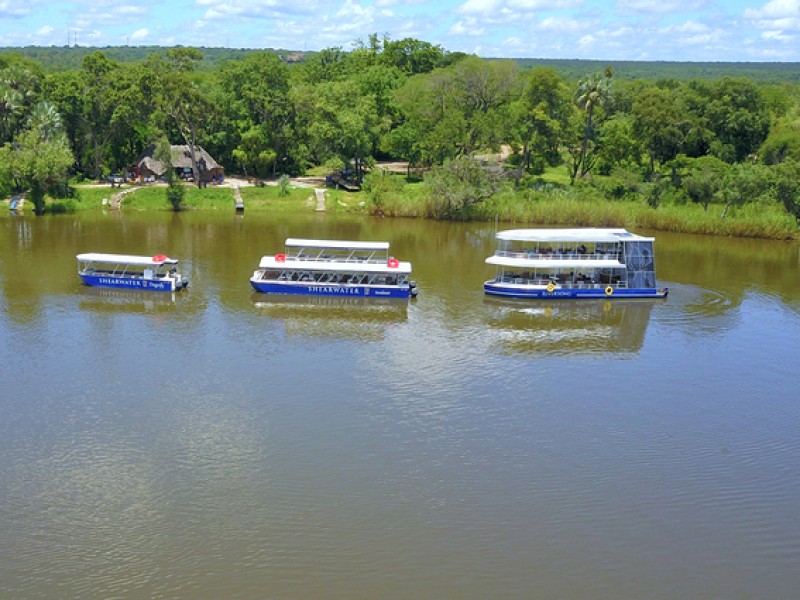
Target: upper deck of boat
x=586, y=235
x=309, y=244
x=125, y=259
x=336, y=256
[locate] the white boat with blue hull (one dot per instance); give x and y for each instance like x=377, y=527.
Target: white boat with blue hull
x=334, y=268
x=552, y=264
x=157, y=273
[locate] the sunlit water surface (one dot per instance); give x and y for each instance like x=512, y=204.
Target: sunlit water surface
x=224, y=444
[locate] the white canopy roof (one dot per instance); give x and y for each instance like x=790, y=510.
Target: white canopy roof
x=578, y=235
x=290, y=264
x=336, y=244
x=554, y=263
x=126, y=259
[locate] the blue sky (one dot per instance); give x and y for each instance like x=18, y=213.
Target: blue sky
x=682, y=30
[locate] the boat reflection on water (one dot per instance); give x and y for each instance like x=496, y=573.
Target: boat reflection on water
x=327, y=316
x=111, y=300
x=574, y=327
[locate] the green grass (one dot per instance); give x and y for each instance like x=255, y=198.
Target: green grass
x=585, y=207
x=269, y=198
x=210, y=198
x=770, y=222
x=579, y=206
x=85, y=198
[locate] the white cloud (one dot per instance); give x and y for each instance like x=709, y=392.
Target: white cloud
x=563, y=25
x=140, y=34
x=468, y=26
x=648, y=7
x=779, y=23
x=775, y=9
x=692, y=27
x=12, y=10
x=394, y=3
x=586, y=41
x=261, y=9
x=480, y=7
x=777, y=35
x=45, y=30
x=548, y=5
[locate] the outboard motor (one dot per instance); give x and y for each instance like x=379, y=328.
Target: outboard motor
x=412, y=289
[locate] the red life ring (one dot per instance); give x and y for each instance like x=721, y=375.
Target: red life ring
x=280, y=258
x=393, y=263
x=160, y=258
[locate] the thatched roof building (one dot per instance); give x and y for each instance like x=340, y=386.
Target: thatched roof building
x=148, y=167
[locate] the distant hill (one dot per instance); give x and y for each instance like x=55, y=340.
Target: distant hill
x=654, y=70
x=63, y=58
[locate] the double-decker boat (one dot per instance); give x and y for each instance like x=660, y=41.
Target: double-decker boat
x=334, y=268
x=154, y=273
x=573, y=263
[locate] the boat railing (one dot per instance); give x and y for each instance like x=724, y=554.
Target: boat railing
x=544, y=281
x=559, y=256
x=355, y=259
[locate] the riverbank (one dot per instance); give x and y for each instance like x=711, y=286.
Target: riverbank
x=563, y=207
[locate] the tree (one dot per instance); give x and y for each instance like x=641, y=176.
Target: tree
x=544, y=112
x=19, y=90
x=381, y=83
x=256, y=92
x=105, y=108
x=36, y=162
x=460, y=184
x=175, y=191
x=592, y=93
x=336, y=120
x=460, y=109
x=746, y=182
x=782, y=143
x=181, y=98
x=484, y=92
x=430, y=131
x=412, y=56
x=99, y=104
x=380, y=186
x=11, y=109
x=254, y=154
x=329, y=64
x=619, y=146
x=737, y=113
x=657, y=124
x=787, y=186
x=704, y=179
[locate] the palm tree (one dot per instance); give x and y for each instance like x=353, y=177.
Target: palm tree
x=46, y=119
x=592, y=92
x=10, y=109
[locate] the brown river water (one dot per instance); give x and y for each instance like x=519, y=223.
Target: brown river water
x=222, y=444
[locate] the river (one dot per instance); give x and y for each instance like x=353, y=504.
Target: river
x=220, y=444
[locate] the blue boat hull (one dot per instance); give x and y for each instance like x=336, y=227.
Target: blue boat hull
x=507, y=291
x=129, y=283
x=331, y=289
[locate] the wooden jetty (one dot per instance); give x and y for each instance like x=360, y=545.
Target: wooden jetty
x=238, y=201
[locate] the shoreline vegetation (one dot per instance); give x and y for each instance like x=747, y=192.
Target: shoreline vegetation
x=559, y=206
x=691, y=148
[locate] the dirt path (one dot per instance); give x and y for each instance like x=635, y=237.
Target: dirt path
x=116, y=199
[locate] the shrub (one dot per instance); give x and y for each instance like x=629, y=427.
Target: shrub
x=175, y=194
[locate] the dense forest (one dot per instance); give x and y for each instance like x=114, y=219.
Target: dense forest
x=68, y=58
x=725, y=134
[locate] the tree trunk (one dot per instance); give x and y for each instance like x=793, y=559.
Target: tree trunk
x=37, y=197
x=585, y=145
